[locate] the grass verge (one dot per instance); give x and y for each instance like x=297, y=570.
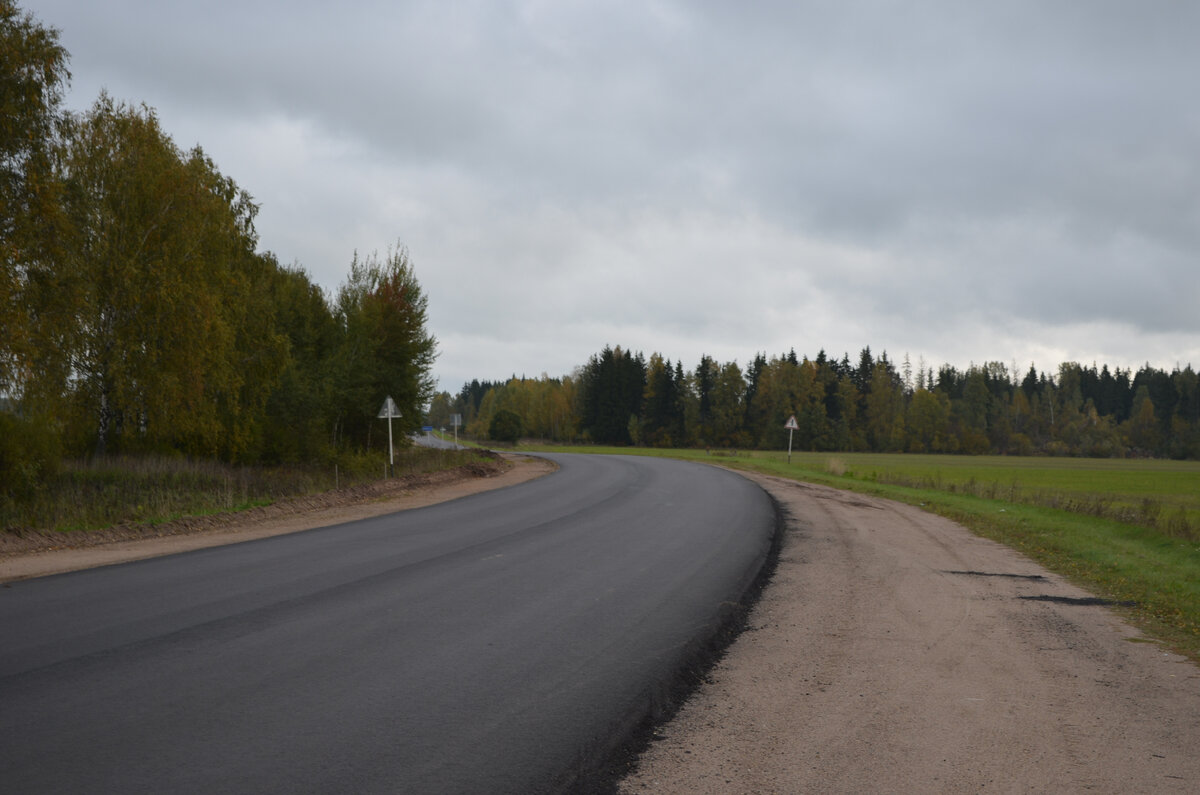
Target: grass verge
x=92, y=495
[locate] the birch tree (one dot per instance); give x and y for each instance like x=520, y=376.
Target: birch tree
x=148, y=322
x=33, y=77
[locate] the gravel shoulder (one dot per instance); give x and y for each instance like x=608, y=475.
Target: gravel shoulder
x=39, y=554
x=894, y=650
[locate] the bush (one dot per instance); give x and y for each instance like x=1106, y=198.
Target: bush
x=1020, y=444
x=30, y=455
x=506, y=426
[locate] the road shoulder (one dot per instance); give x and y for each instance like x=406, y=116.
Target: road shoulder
x=23, y=558
x=894, y=650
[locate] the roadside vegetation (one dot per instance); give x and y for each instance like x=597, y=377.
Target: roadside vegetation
x=140, y=322
x=1126, y=531
x=100, y=493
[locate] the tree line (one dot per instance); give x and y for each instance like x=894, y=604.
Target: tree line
x=872, y=404
x=137, y=314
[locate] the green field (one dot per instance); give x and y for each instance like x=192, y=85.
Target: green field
x=1152, y=493
x=1126, y=530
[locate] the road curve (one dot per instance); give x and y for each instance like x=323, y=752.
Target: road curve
x=427, y=439
x=498, y=643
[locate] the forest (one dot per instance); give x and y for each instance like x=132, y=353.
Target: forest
x=870, y=404
x=138, y=315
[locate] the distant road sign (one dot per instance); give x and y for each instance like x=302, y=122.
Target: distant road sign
x=791, y=427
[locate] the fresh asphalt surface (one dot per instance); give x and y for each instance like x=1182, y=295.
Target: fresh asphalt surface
x=504, y=642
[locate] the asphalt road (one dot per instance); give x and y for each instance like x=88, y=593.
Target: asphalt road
x=498, y=643
x=429, y=440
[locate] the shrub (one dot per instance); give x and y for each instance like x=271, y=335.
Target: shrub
x=30, y=455
x=506, y=426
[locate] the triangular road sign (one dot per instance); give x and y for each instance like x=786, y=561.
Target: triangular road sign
x=388, y=410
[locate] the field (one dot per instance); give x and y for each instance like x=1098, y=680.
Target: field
x=1127, y=530
x=1158, y=494
x=1162, y=495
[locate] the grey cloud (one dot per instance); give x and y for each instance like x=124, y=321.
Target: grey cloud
x=1013, y=166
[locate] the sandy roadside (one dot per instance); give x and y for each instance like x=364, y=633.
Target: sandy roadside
x=893, y=651
x=20, y=561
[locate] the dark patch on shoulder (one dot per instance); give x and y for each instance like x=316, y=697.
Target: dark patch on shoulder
x=1082, y=601
x=1038, y=577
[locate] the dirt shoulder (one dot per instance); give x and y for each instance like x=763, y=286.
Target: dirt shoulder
x=39, y=554
x=894, y=651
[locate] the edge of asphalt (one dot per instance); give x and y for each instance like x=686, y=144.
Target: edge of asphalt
x=663, y=702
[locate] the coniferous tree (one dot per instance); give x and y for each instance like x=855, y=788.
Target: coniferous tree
x=705, y=379
x=660, y=404
x=753, y=374
x=611, y=391
x=682, y=399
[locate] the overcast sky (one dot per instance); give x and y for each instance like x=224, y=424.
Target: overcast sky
x=961, y=182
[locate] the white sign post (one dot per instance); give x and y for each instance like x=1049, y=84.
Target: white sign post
x=389, y=410
x=792, y=427
x=457, y=420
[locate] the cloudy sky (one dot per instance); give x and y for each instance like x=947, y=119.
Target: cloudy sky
x=961, y=182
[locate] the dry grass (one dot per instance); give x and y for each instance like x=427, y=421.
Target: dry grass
x=100, y=493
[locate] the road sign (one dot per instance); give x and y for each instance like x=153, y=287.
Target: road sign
x=791, y=426
x=388, y=411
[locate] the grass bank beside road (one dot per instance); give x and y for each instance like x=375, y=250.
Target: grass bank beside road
x=92, y=495
x=1126, y=530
